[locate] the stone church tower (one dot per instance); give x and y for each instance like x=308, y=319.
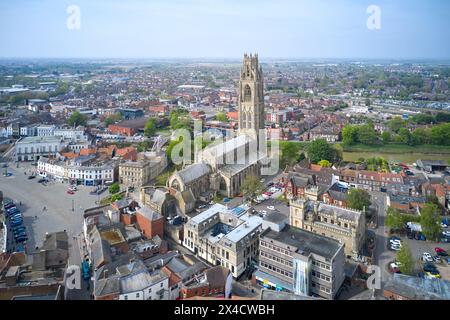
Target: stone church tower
x=251, y=97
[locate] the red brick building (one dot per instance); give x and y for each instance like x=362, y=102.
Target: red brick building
x=128, y=127
x=214, y=282
x=150, y=222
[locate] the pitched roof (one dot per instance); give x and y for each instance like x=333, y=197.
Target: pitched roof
x=193, y=172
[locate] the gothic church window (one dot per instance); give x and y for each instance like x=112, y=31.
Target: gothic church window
x=247, y=93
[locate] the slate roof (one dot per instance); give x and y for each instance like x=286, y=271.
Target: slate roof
x=193, y=172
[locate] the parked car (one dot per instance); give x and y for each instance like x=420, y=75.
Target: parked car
x=443, y=225
x=394, y=268
x=441, y=252
x=16, y=216
x=429, y=267
x=427, y=257
x=31, y=177
x=16, y=223
x=437, y=259
x=446, y=233
x=70, y=192
x=395, y=247
x=271, y=207
x=21, y=239
x=433, y=275
x=9, y=205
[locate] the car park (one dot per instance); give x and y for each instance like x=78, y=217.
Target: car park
x=427, y=257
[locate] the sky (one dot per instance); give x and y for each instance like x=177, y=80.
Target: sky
x=409, y=29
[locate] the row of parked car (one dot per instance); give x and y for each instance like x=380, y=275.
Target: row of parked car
x=15, y=221
x=272, y=188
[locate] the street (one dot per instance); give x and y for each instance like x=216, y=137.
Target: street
x=382, y=256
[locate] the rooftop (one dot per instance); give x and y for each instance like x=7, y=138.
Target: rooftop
x=205, y=215
x=305, y=242
x=48, y=139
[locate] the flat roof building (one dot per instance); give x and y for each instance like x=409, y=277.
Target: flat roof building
x=300, y=262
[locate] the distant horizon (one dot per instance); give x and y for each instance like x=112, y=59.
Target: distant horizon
x=262, y=59
x=225, y=29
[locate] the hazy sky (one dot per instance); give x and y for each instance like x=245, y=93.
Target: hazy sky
x=225, y=29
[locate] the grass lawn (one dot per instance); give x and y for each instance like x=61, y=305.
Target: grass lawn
x=399, y=148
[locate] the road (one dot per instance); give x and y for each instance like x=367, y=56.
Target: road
x=382, y=256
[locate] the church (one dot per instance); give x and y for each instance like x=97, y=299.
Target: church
x=222, y=168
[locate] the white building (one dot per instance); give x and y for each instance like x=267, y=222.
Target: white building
x=76, y=134
x=88, y=175
x=45, y=131
x=144, y=286
x=224, y=237
x=33, y=148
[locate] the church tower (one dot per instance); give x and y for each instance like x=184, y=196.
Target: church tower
x=251, y=97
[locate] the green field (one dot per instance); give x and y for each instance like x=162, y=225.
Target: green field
x=397, y=152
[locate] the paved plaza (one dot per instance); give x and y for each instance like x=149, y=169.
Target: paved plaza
x=34, y=197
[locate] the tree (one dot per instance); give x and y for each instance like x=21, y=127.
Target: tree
x=179, y=119
x=396, y=123
x=349, y=134
x=394, y=219
x=324, y=163
x=114, y=188
x=367, y=135
x=386, y=137
x=150, y=127
x=405, y=259
x=430, y=220
x=116, y=197
x=442, y=117
x=113, y=119
x=77, y=119
x=252, y=186
x=358, y=199
x=420, y=136
x=319, y=150
x=222, y=116
x=290, y=153
x=405, y=136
